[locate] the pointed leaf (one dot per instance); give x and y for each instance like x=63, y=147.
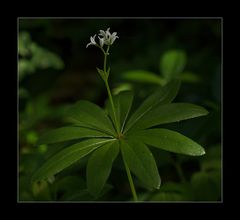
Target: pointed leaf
x=91, y=115
x=168, y=113
x=163, y=95
x=168, y=140
x=66, y=157
x=141, y=162
x=101, y=73
x=172, y=63
x=108, y=72
x=69, y=133
x=143, y=76
x=99, y=166
x=122, y=103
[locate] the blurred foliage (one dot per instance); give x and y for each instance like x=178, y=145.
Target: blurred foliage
x=171, y=66
x=61, y=71
x=32, y=56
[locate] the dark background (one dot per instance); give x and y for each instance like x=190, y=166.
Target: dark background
x=141, y=44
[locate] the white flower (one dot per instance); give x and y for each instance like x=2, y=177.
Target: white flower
x=113, y=37
x=105, y=34
x=92, y=41
x=108, y=37
x=105, y=37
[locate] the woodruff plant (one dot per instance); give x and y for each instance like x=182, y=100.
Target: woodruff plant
x=119, y=130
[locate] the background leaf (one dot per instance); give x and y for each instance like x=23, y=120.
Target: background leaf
x=172, y=63
x=168, y=140
x=99, y=166
x=206, y=185
x=67, y=184
x=141, y=162
x=143, y=76
x=190, y=77
x=171, y=191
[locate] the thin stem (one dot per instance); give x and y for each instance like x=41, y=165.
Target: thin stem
x=112, y=104
x=105, y=59
x=100, y=48
x=109, y=91
x=130, y=182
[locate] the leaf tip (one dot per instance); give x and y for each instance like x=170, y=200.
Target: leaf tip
x=200, y=152
x=205, y=111
x=203, y=152
x=158, y=185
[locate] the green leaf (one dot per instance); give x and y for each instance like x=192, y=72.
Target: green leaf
x=66, y=157
x=172, y=191
x=143, y=76
x=92, y=116
x=84, y=195
x=168, y=140
x=167, y=196
x=101, y=73
x=122, y=87
x=141, y=162
x=163, y=95
x=69, y=133
x=207, y=185
x=213, y=160
x=168, y=113
x=99, y=166
x=172, y=63
x=41, y=191
x=190, y=77
x=122, y=104
x=77, y=195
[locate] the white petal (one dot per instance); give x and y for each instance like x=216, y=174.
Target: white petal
x=101, y=41
x=108, y=34
x=113, y=39
x=92, y=39
x=102, y=33
x=88, y=44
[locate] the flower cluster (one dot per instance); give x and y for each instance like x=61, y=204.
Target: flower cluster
x=105, y=37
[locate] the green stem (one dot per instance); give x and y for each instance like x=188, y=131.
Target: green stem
x=135, y=198
x=109, y=91
x=105, y=62
x=113, y=107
